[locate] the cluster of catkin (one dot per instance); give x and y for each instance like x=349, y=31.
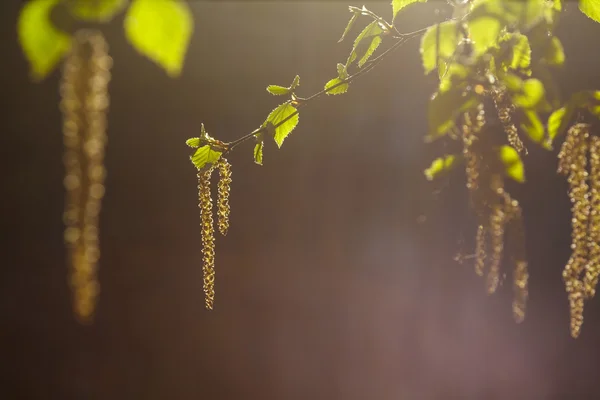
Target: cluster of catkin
x=84, y=104
x=496, y=210
x=583, y=268
x=505, y=108
x=207, y=223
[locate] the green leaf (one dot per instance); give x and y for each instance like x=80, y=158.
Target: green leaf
x=557, y=5
x=339, y=88
x=205, y=156
x=439, y=166
x=342, y=71
x=44, y=46
x=96, y=10
x=280, y=90
x=193, y=142
x=370, y=50
x=295, y=82
x=371, y=30
x=591, y=8
x=484, y=32
x=349, y=26
x=525, y=13
x=258, y=152
x=513, y=166
x=277, y=90
x=161, y=30
x=363, y=49
x=554, y=54
x=531, y=94
x=285, y=112
x=454, y=74
x=521, y=52
x=398, y=5
x=533, y=127
x=445, y=107
x=558, y=122
x=204, y=136
x=448, y=34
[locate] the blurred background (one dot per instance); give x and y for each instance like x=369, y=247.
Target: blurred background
x=337, y=279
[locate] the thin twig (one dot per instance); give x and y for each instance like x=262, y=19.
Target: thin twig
x=304, y=101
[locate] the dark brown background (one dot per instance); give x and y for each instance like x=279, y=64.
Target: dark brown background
x=327, y=286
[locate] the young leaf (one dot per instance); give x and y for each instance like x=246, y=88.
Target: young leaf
x=205, y=156
x=448, y=35
x=338, y=86
x=521, y=51
x=161, y=30
x=445, y=107
x=370, y=50
x=484, y=31
x=349, y=26
x=295, y=82
x=44, y=46
x=523, y=12
x=533, y=127
x=531, y=94
x=559, y=121
x=557, y=5
x=342, y=71
x=554, y=54
x=258, y=152
x=280, y=90
x=98, y=10
x=398, y=5
x=362, y=48
x=285, y=112
x=204, y=136
x=513, y=166
x=453, y=74
x=277, y=90
x=439, y=166
x=193, y=142
x=591, y=8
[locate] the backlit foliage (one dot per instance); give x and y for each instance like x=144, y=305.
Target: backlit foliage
x=496, y=96
x=494, y=60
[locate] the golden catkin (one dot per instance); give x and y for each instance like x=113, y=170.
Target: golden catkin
x=473, y=124
x=208, y=236
x=516, y=235
x=223, y=195
x=84, y=104
x=471, y=128
x=505, y=108
x=573, y=161
x=480, y=253
x=497, y=213
x=497, y=221
x=592, y=268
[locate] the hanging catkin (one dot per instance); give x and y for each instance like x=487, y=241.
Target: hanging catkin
x=84, y=104
x=505, y=108
x=592, y=268
x=497, y=222
x=223, y=195
x=208, y=236
x=573, y=162
x=497, y=212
